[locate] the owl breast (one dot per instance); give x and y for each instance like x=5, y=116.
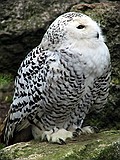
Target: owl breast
x=70, y=76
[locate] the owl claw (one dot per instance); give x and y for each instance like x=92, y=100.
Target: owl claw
x=62, y=141
x=96, y=130
x=85, y=130
x=75, y=134
x=59, y=136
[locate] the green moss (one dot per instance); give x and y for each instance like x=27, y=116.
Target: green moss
x=6, y=88
x=1, y=146
x=116, y=80
x=110, y=153
x=5, y=79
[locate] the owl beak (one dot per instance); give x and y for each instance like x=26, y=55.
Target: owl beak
x=97, y=36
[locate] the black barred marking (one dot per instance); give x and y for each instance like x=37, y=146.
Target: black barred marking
x=31, y=103
x=34, y=123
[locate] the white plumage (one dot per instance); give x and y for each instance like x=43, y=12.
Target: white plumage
x=61, y=80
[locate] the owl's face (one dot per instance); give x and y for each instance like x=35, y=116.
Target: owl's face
x=83, y=28
x=72, y=27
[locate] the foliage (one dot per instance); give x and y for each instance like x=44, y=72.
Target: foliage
x=5, y=79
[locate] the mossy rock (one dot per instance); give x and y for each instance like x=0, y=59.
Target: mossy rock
x=104, y=145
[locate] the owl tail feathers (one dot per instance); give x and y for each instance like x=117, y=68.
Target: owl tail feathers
x=7, y=132
x=16, y=131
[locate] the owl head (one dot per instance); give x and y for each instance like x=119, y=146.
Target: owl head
x=71, y=26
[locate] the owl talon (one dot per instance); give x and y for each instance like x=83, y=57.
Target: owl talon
x=96, y=130
x=62, y=141
x=57, y=137
x=75, y=134
x=87, y=130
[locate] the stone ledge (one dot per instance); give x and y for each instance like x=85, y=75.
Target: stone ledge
x=104, y=145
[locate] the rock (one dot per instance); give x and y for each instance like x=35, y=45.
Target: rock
x=102, y=146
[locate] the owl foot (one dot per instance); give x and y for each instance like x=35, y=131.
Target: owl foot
x=85, y=130
x=59, y=136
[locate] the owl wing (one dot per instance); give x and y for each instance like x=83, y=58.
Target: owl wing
x=101, y=89
x=29, y=85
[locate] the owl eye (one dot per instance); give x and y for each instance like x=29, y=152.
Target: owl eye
x=80, y=27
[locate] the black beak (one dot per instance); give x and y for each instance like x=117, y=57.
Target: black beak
x=97, y=35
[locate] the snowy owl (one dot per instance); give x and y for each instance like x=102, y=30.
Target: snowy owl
x=60, y=81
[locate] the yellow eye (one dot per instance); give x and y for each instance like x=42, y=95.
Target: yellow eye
x=80, y=27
